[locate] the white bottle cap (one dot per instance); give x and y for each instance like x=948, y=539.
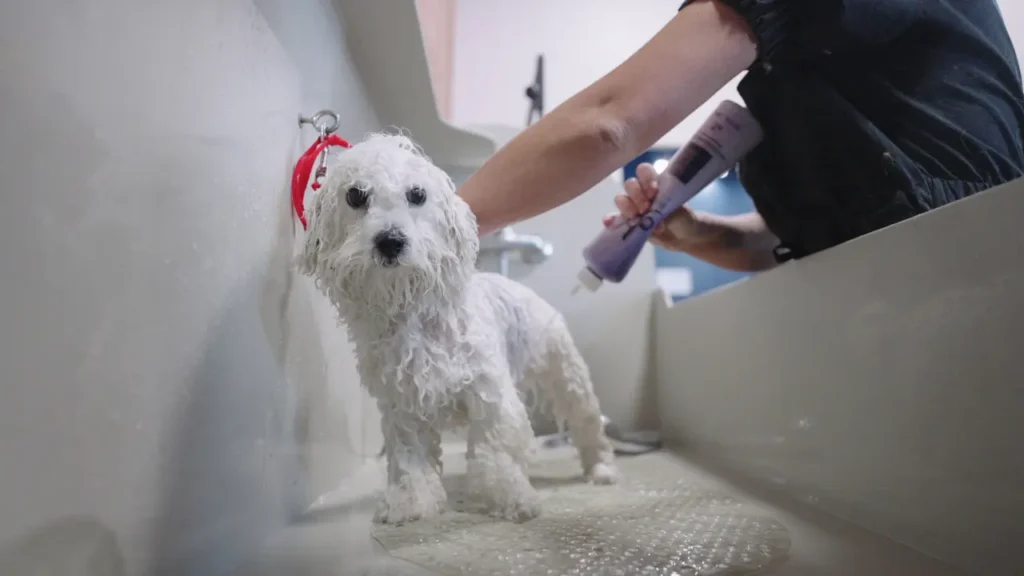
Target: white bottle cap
x=589, y=280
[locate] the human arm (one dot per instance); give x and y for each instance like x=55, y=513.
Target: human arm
x=742, y=242
x=609, y=123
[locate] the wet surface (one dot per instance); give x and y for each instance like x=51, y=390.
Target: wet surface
x=660, y=520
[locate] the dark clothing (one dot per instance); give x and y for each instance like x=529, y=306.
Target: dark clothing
x=875, y=111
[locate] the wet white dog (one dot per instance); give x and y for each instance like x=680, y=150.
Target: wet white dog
x=440, y=345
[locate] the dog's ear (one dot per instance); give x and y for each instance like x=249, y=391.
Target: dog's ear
x=462, y=238
x=310, y=255
x=322, y=227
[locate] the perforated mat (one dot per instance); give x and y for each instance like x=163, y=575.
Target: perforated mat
x=662, y=519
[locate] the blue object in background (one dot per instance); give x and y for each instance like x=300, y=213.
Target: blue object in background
x=724, y=196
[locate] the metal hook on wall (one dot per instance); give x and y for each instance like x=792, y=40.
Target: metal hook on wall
x=325, y=121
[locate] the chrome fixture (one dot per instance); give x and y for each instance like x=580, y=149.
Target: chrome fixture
x=531, y=249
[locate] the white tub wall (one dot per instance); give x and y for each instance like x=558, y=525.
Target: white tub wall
x=880, y=380
x=165, y=375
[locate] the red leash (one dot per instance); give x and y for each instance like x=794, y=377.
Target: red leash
x=304, y=169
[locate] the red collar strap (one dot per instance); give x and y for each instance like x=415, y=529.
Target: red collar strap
x=304, y=169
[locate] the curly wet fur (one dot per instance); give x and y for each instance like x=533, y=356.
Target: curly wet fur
x=440, y=345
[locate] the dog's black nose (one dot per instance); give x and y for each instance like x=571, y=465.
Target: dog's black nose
x=390, y=243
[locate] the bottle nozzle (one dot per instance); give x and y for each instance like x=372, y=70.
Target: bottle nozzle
x=589, y=280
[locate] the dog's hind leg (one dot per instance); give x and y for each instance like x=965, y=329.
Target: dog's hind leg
x=566, y=382
x=500, y=445
x=413, y=449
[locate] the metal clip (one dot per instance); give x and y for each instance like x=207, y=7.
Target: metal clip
x=321, y=168
x=325, y=122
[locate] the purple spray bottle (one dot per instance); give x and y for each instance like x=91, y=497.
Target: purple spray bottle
x=728, y=135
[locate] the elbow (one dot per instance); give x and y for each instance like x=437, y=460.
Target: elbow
x=613, y=133
x=606, y=130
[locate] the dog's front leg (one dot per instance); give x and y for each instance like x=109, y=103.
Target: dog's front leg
x=413, y=450
x=500, y=442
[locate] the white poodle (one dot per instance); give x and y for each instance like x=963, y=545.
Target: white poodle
x=440, y=345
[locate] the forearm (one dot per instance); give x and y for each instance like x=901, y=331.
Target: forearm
x=742, y=243
x=614, y=120
x=565, y=154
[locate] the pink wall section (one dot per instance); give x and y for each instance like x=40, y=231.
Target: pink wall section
x=437, y=18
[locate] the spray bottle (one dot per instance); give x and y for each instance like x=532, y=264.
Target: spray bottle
x=728, y=135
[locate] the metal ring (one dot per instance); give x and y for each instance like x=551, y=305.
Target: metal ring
x=317, y=120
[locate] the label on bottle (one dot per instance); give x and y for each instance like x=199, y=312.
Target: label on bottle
x=693, y=159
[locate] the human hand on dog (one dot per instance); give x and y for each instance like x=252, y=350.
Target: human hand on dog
x=676, y=232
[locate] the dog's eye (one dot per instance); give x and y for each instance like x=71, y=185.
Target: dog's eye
x=356, y=197
x=416, y=196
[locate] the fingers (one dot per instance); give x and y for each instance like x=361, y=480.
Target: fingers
x=643, y=188
x=631, y=203
x=640, y=192
x=667, y=234
x=648, y=178
x=660, y=237
x=636, y=193
x=626, y=207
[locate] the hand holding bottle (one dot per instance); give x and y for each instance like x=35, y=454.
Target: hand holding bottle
x=655, y=210
x=676, y=232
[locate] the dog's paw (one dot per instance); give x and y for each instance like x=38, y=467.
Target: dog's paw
x=404, y=510
x=603, y=474
x=525, y=509
x=393, y=513
x=411, y=501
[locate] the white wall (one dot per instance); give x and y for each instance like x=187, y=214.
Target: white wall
x=1013, y=14
x=497, y=42
x=165, y=378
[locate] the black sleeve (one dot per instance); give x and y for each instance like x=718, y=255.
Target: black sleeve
x=788, y=29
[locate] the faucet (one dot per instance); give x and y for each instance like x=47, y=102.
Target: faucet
x=531, y=249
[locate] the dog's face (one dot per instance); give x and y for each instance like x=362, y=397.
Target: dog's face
x=387, y=228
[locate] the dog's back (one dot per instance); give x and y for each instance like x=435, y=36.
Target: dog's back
x=527, y=322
